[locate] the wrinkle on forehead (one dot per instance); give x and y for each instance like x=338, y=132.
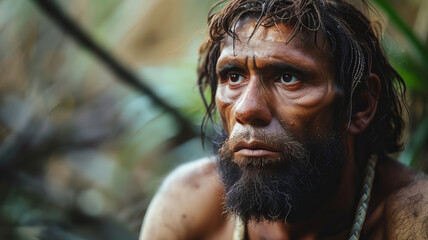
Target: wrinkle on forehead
x=245, y=28
x=280, y=32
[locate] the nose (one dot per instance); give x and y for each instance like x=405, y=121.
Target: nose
x=252, y=108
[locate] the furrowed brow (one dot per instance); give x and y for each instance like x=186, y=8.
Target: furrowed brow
x=287, y=67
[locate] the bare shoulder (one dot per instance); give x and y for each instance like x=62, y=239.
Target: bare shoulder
x=406, y=210
x=185, y=202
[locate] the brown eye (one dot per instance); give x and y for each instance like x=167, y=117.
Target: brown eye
x=235, y=78
x=288, y=78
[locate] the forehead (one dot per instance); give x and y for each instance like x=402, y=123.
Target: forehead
x=274, y=41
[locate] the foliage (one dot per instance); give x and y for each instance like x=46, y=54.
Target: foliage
x=414, y=70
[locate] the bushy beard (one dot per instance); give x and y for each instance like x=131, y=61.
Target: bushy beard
x=291, y=188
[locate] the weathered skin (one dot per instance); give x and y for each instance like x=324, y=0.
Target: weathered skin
x=251, y=93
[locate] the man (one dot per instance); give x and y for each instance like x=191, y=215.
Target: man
x=310, y=108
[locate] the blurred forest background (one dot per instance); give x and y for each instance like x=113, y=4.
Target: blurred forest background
x=82, y=152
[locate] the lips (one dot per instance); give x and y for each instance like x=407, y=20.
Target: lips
x=256, y=149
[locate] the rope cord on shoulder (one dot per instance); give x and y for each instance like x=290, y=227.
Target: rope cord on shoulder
x=239, y=231
x=363, y=204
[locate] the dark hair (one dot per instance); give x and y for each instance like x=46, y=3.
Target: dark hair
x=354, y=42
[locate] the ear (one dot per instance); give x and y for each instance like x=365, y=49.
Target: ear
x=365, y=105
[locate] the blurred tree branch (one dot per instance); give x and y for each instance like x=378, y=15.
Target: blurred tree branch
x=59, y=17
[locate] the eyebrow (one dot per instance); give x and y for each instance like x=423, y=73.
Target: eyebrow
x=271, y=66
x=287, y=67
x=228, y=67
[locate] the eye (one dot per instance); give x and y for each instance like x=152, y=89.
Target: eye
x=235, y=78
x=288, y=79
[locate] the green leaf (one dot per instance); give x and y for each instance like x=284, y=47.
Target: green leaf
x=407, y=32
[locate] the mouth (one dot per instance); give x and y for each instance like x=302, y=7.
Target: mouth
x=255, y=149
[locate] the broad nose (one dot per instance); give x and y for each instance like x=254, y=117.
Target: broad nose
x=252, y=108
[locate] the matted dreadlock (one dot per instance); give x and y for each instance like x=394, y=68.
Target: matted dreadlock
x=355, y=45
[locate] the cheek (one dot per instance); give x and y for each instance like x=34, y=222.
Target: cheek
x=317, y=111
x=224, y=105
x=308, y=112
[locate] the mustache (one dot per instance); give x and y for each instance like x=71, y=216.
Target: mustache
x=277, y=138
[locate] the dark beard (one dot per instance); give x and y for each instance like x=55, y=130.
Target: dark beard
x=291, y=189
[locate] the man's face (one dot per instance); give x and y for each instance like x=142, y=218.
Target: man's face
x=276, y=103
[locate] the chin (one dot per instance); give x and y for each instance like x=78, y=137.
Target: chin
x=291, y=188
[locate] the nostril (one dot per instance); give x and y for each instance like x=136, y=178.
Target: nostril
x=260, y=122
x=252, y=121
x=239, y=121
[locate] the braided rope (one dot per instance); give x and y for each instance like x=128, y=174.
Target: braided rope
x=239, y=232
x=364, y=200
